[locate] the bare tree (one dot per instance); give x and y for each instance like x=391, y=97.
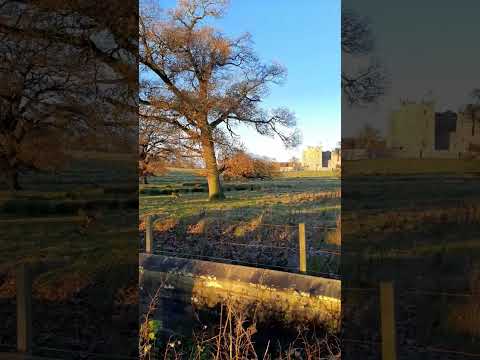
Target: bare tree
x=157, y=144
x=370, y=139
x=367, y=84
x=205, y=83
x=58, y=80
x=36, y=97
x=162, y=144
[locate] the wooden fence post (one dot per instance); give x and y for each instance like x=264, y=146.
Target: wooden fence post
x=387, y=315
x=148, y=234
x=24, y=309
x=302, y=247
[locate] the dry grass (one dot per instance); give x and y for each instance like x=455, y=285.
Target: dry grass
x=465, y=318
x=147, y=333
x=409, y=166
x=233, y=338
x=335, y=237
x=413, y=219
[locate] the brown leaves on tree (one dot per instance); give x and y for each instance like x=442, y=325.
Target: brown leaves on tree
x=243, y=165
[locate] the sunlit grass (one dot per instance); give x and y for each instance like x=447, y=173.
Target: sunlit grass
x=310, y=174
x=410, y=166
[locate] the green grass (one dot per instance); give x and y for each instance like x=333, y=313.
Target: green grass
x=410, y=166
x=190, y=185
x=76, y=255
x=280, y=196
x=237, y=206
x=73, y=258
x=257, y=212
x=418, y=229
x=310, y=174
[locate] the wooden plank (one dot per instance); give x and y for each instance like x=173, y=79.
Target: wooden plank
x=302, y=248
x=387, y=315
x=19, y=356
x=24, y=309
x=30, y=220
x=148, y=234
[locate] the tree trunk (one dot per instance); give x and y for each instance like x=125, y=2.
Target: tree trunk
x=215, y=191
x=12, y=180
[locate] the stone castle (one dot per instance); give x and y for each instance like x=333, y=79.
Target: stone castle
x=314, y=158
x=417, y=131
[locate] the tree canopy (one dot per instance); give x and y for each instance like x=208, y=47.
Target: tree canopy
x=205, y=83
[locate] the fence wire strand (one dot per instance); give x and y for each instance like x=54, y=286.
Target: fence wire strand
x=240, y=262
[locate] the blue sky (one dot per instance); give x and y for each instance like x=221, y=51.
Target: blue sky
x=428, y=51
x=304, y=36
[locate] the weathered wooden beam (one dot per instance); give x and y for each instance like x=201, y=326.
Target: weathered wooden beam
x=24, y=308
x=148, y=234
x=302, y=248
x=387, y=308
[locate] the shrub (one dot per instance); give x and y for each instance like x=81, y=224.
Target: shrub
x=242, y=165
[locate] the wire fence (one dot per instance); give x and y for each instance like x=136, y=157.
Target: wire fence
x=387, y=317
x=388, y=344
x=291, y=248
x=27, y=330
x=389, y=314
x=285, y=268
x=280, y=226
x=416, y=348
x=298, y=250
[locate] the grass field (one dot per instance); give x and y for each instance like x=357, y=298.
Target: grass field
x=410, y=167
x=310, y=173
x=45, y=221
x=76, y=230
x=420, y=230
x=257, y=224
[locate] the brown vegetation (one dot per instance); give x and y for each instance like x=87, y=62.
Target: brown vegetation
x=335, y=237
x=465, y=318
x=233, y=337
x=242, y=165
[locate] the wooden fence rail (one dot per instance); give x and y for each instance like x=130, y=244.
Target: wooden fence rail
x=302, y=248
x=387, y=320
x=24, y=309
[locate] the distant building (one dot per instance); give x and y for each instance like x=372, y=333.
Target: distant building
x=352, y=150
x=326, y=155
x=465, y=140
x=335, y=161
x=286, y=166
x=412, y=129
x=312, y=158
x=417, y=131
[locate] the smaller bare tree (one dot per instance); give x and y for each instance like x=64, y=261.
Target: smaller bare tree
x=369, y=82
x=155, y=148
x=370, y=139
